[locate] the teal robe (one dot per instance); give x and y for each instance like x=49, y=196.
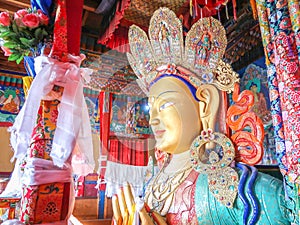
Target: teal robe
x=268, y=191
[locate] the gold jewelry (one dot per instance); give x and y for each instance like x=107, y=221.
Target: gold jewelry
x=222, y=179
x=160, y=193
x=199, y=61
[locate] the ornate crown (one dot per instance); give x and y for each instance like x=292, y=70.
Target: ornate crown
x=199, y=62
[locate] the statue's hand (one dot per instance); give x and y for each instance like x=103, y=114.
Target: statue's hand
x=124, y=207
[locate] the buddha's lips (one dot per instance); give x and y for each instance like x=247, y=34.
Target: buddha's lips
x=159, y=133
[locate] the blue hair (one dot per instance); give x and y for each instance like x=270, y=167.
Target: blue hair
x=192, y=89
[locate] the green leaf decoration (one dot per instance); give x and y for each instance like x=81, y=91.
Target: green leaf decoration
x=27, y=34
x=15, y=27
x=4, y=34
x=12, y=37
x=14, y=57
x=38, y=33
x=27, y=53
x=25, y=41
x=33, y=42
x=9, y=45
x=4, y=29
x=45, y=33
x=19, y=59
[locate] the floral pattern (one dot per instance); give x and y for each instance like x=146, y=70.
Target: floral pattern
x=279, y=22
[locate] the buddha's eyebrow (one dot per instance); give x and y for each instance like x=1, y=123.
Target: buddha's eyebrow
x=165, y=92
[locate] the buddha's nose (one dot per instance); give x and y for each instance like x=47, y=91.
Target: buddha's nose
x=154, y=122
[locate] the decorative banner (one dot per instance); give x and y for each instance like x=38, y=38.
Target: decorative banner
x=280, y=35
x=294, y=10
x=281, y=51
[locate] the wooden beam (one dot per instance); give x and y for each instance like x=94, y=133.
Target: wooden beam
x=4, y=7
x=19, y=3
x=90, y=5
x=84, y=18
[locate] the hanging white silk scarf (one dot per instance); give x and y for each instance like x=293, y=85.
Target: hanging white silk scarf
x=72, y=123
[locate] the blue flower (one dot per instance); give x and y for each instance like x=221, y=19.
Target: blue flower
x=207, y=77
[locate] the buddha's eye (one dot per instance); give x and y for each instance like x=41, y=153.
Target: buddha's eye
x=165, y=105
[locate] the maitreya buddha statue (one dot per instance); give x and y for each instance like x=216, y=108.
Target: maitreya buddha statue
x=206, y=179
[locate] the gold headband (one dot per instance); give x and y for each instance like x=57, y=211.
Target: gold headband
x=199, y=61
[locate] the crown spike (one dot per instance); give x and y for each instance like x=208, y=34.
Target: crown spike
x=165, y=33
x=199, y=63
x=205, y=45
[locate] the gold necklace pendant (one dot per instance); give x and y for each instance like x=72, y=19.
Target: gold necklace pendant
x=161, y=191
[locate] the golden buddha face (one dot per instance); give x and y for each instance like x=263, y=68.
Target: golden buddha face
x=174, y=115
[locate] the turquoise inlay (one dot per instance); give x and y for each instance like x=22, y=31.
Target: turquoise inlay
x=268, y=190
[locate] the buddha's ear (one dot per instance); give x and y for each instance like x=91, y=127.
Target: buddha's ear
x=208, y=105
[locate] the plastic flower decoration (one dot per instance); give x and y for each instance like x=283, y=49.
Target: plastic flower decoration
x=24, y=33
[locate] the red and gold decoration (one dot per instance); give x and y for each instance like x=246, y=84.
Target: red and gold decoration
x=139, y=12
x=9, y=206
x=48, y=126
x=43, y=203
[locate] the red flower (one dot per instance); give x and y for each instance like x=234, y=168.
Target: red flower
x=44, y=19
x=4, y=19
x=31, y=20
x=6, y=51
x=20, y=13
x=18, y=16
x=292, y=67
x=19, y=22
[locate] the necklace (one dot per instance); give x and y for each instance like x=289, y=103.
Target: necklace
x=161, y=192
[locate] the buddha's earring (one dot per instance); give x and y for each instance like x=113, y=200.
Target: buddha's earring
x=222, y=179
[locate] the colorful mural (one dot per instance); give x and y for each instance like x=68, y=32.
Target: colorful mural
x=130, y=116
x=254, y=78
x=138, y=121
x=92, y=101
x=11, y=98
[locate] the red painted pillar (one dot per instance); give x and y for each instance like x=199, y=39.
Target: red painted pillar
x=74, y=19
